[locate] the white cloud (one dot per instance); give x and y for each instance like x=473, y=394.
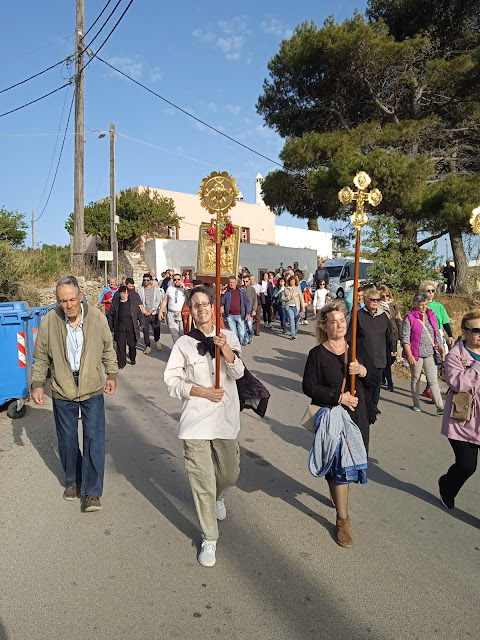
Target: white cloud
x=212, y=107
x=228, y=36
x=273, y=26
x=131, y=66
x=155, y=74
x=234, y=109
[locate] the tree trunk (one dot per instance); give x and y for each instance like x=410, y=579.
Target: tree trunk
x=313, y=224
x=408, y=228
x=460, y=258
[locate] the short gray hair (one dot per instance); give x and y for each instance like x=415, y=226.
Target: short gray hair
x=201, y=288
x=67, y=280
x=419, y=297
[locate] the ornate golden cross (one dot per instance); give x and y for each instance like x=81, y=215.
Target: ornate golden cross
x=373, y=197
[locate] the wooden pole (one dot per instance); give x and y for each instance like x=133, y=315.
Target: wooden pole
x=353, y=320
x=33, y=229
x=218, y=249
x=113, y=205
x=78, y=178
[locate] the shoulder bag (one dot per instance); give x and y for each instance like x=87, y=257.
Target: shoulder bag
x=462, y=406
x=308, y=420
x=437, y=354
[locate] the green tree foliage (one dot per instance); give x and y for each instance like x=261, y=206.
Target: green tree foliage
x=10, y=272
x=12, y=227
x=139, y=214
x=351, y=96
x=398, y=263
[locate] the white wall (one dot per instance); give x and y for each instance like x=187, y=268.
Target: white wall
x=161, y=254
x=321, y=241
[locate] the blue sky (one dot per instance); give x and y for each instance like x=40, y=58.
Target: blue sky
x=210, y=58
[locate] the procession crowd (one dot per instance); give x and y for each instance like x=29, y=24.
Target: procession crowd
x=75, y=342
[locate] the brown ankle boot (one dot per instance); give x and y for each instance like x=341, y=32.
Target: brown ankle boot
x=344, y=537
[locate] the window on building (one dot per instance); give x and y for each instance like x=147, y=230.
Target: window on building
x=172, y=233
x=245, y=234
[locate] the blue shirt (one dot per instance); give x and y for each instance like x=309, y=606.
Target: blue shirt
x=476, y=356
x=74, y=343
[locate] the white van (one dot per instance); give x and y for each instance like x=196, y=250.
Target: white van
x=340, y=273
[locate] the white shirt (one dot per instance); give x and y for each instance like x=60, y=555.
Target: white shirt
x=264, y=286
x=319, y=298
x=176, y=298
x=257, y=288
x=74, y=342
x=202, y=419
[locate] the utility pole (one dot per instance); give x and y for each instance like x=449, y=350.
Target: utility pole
x=33, y=229
x=78, y=189
x=113, y=205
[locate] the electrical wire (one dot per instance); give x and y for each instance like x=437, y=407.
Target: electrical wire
x=45, y=46
x=27, y=104
x=112, y=30
x=154, y=146
x=205, y=124
x=54, y=151
x=103, y=25
x=98, y=18
x=59, y=158
x=17, y=84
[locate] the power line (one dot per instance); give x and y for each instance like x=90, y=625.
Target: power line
x=112, y=30
x=27, y=104
x=17, y=84
x=103, y=25
x=45, y=46
x=98, y=18
x=205, y=124
x=59, y=158
x=154, y=146
x=54, y=151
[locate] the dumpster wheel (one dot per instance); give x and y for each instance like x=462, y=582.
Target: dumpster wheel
x=12, y=410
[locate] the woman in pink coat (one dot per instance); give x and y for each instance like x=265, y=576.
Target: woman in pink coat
x=462, y=373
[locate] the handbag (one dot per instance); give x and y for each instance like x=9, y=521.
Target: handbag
x=437, y=354
x=462, y=405
x=308, y=420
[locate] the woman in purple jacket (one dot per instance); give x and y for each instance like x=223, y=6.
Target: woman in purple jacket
x=462, y=373
x=419, y=338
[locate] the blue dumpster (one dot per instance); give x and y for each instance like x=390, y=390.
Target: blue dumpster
x=16, y=348
x=37, y=314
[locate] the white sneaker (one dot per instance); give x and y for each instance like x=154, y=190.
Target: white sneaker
x=305, y=322
x=159, y=345
x=220, y=509
x=147, y=351
x=206, y=557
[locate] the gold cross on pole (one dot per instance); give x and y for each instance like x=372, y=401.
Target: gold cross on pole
x=359, y=219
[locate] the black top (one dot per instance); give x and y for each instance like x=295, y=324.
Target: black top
x=375, y=334
x=322, y=382
x=125, y=322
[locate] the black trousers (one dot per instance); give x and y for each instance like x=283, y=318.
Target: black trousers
x=154, y=322
x=125, y=338
x=466, y=455
x=267, y=311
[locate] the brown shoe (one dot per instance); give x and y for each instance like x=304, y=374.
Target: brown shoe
x=72, y=493
x=344, y=537
x=92, y=503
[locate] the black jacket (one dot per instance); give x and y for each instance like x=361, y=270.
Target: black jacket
x=112, y=316
x=374, y=333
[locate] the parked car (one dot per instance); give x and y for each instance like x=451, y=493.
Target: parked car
x=340, y=273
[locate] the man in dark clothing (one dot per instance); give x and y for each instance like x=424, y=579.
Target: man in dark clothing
x=374, y=332
x=168, y=280
x=252, y=298
x=321, y=275
x=235, y=309
x=124, y=320
x=448, y=273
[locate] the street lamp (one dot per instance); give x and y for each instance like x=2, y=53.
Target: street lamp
x=114, y=220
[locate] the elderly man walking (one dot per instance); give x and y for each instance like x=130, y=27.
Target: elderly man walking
x=236, y=309
x=151, y=298
x=75, y=342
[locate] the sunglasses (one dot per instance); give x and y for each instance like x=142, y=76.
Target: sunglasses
x=321, y=284
x=475, y=330
x=386, y=295
x=374, y=299
x=430, y=290
x=177, y=279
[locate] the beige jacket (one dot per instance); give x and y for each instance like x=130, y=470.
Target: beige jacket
x=98, y=356
x=297, y=294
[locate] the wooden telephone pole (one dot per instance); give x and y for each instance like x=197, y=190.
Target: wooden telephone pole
x=78, y=189
x=33, y=229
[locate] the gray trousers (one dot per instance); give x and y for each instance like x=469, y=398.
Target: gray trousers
x=213, y=467
x=430, y=368
x=175, y=326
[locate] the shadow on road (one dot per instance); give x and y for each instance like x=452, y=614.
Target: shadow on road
x=3, y=632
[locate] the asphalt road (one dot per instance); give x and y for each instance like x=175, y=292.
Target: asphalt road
x=130, y=571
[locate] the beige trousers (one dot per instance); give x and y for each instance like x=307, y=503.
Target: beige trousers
x=212, y=466
x=431, y=374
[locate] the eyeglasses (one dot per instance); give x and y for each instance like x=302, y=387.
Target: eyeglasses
x=374, y=299
x=201, y=305
x=385, y=295
x=321, y=284
x=430, y=290
x=475, y=330
x=177, y=279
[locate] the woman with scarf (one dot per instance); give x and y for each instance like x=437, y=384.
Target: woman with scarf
x=420, y=341
x=210, y=417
